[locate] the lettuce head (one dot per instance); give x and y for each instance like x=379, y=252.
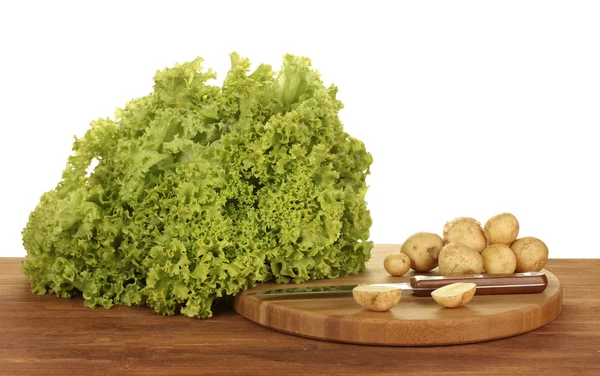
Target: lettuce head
x=201, y=191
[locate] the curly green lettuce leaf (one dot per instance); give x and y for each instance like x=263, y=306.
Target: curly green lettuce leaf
x=203, y=191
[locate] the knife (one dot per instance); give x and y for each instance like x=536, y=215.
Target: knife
x=420, y=285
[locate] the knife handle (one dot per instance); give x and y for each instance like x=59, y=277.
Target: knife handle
x=487, y=284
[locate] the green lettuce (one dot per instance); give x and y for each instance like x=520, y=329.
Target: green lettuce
x=202, y=191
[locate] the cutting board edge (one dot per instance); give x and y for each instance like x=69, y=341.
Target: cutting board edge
x=485, y=319
x=555, y=311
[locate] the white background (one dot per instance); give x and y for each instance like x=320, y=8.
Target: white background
x=469, y=108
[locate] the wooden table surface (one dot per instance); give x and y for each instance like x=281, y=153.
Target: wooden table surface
x=46, y=335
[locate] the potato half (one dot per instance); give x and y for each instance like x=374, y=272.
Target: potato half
x=531, y=254
x=421, y=248
x=499, y=259
x=397, y=264
x=467, y=231
x=501, y=229
x=458, y=259
x=454, y=295
x=376, y=298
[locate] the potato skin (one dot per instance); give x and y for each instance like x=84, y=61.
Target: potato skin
x=467, y=231
x=421, y=248
x=499, y=259
x=501, y=229
x=397, y=264
x=458, y=259
x=531, y=254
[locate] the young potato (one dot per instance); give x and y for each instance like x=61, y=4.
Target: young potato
x=531, y=254
x=421, y=248
x=467, y=231
x=397, y=264
x=454, y=295
x=501, y=229
x=499, y=259
x=376, y=298
x=458, y=259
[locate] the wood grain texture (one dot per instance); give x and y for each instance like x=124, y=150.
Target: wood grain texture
x=46, y=335
x=415, y=321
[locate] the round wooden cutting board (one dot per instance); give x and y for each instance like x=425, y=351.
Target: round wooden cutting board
x=413, y=322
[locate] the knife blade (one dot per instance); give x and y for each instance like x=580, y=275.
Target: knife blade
x=421, y=285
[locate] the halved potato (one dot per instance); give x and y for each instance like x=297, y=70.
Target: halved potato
x=376, y=298
x=454, y=295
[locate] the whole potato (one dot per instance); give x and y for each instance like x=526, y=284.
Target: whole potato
x=499, y=259
x=531, y=254
x=501, y=229
x=397, y=264
x=467, y=231
x=458, y=259
x=421, y=248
